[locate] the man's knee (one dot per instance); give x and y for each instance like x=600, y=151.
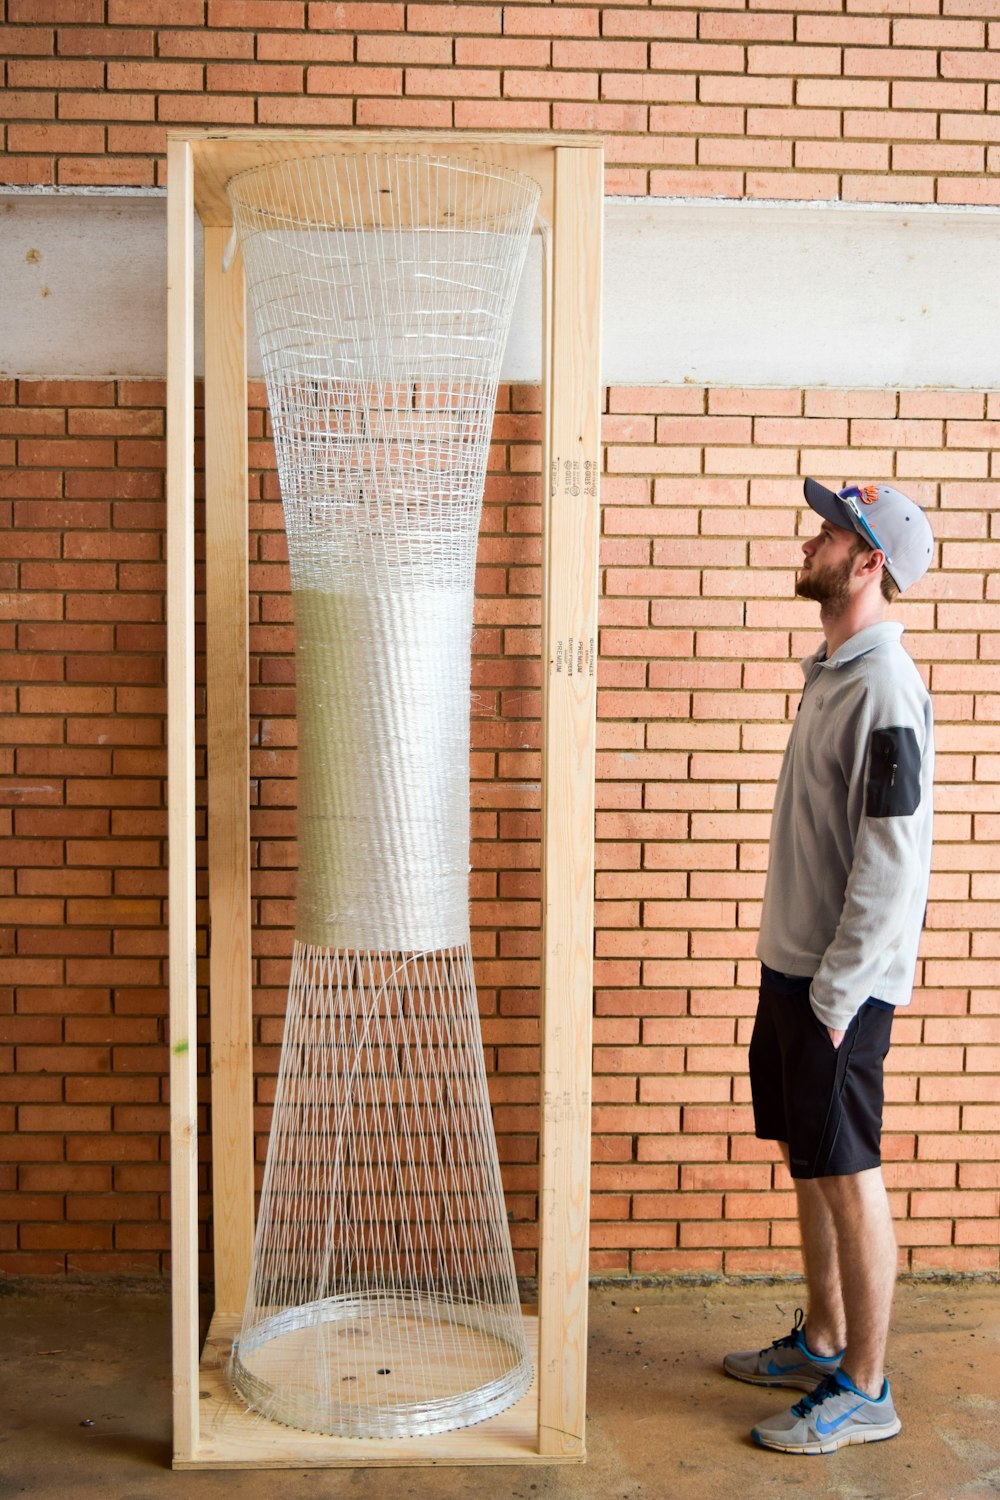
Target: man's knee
x=850, y=1187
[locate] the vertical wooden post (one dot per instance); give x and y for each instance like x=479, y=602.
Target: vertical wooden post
x=571, y=531
x=228, y=772
x=181, y=783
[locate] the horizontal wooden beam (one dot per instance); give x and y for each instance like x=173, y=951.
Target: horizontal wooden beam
x=222, y=155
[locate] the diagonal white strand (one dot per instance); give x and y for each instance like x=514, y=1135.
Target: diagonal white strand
x=383, y=1300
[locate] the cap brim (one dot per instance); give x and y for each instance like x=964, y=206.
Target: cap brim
x=828, y=505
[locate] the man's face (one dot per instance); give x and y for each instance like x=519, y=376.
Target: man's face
x=829, y=562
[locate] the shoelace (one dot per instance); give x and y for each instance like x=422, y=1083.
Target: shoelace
x=828, y=1386
x=790, y=1339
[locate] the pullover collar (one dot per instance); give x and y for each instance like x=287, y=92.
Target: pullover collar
x=858, y=645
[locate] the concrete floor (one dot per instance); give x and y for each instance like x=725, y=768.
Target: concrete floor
x=664, y=1423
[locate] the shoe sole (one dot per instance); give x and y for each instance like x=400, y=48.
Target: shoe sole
x=846, y=1439
x=791, y=1383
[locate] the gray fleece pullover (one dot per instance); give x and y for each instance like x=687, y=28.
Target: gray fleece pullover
x=851, y=836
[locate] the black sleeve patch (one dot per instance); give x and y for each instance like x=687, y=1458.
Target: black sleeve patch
x=893, y=773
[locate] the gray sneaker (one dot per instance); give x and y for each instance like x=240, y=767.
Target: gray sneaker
x=836, y=1414
x=788, y=1361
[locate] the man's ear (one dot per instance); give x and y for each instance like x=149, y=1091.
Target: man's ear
x=874, y=561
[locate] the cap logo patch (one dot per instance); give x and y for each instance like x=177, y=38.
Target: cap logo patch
x=869, y=494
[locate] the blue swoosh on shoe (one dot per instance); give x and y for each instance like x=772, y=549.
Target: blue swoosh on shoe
x=773, y=1369
x=825, y=1428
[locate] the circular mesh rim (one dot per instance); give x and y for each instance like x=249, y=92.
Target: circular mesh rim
x=428, y=160
x=404, y=1419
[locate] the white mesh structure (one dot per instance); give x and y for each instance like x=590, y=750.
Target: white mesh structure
x=382, y=1298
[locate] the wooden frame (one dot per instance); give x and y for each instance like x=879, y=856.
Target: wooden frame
x=210, y=1429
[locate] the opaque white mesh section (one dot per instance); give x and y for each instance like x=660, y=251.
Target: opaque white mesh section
x=383, y=719
x=383, y=1300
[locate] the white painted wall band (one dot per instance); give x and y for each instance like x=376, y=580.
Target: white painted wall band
x=708, y=291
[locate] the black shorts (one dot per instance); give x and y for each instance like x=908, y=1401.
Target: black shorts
x=824, y=1101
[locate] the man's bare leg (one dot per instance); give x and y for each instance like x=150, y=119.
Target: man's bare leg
x=866, y=1248
x=826, y=1324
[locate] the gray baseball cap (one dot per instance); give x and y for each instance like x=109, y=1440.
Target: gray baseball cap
x=886, y=519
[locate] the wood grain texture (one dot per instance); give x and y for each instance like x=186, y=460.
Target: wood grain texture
x=228, y=772
x=221, y=155
x=571, y=535
x=181, y=783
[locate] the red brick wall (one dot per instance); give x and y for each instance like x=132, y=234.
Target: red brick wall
x=893, y=100
x=698, y=679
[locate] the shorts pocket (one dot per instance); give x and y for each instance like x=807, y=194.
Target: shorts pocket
x=824, y=1031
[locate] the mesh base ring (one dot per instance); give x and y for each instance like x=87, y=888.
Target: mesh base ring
x=377, y=1388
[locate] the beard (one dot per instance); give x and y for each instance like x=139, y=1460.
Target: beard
x=828, y=586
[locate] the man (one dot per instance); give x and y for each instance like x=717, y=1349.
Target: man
x=843, y=909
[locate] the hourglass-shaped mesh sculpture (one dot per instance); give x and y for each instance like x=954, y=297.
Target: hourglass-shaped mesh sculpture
x=382, y=1298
